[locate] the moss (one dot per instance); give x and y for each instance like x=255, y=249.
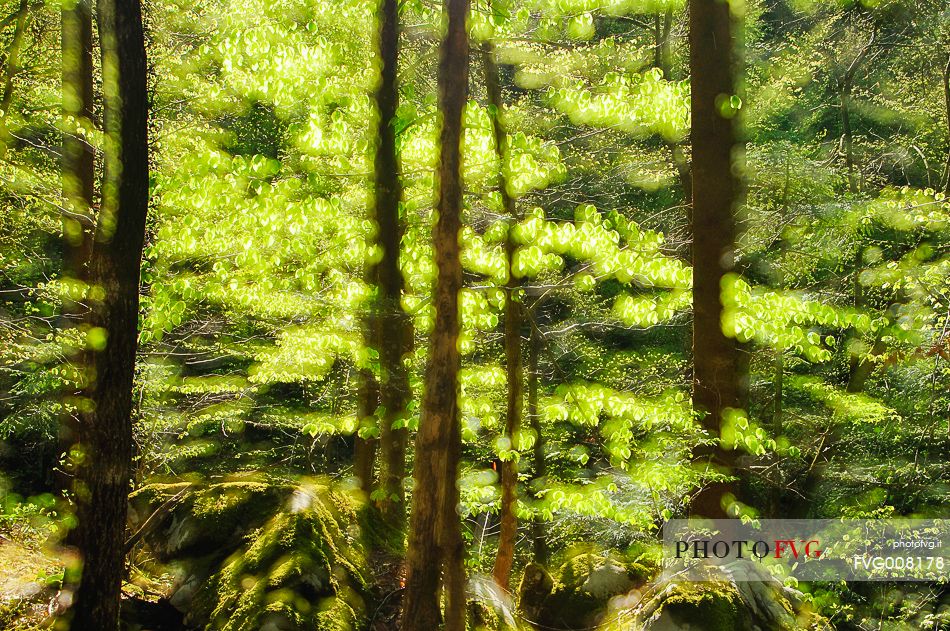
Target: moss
x=533, y=591
x=151, y=496
x=707, y=606
x=299, y=571
x=484, y=618
x=581, y=589
x=640, y=573
x=215, y=516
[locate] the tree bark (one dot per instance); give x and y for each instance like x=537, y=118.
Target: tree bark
x=662, y=59
x=435, y=530
x=364, y=449
x=662, y=28
x=79, y=179
x=778, y=386
x=394, y=325
x=102, y=483
x=538, y=535
x=504, y=559
x=847, y=135
x=715, y=192
x=946, y=96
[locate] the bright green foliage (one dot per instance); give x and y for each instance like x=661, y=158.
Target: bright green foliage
x=256, y=287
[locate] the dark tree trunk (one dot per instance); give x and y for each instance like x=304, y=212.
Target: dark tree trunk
x=367, y=402
x=79, y=177
x=364, y=449
x=716, y=359
x=435, y=539
x=509, y=468
x=102, y=483
x=946, y=96
x=394, y=325
x=78, y=162
x=538, y=535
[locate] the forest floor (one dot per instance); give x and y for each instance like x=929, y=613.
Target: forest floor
x=25, y=592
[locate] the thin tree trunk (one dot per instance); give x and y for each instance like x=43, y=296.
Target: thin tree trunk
x=394, y=325
x=538, y=535
x=435, y=530
x=715, y=193
x=364, y=449
x=12, y=63
x=862, y=369
x=504, y=559
x=453, y=546
x=79, y=179
x=946, y=95
x=78, y=162
x=367, y=402
x=778, y=385
x=859, y=372
x=662, y=59
x=847, y=85
x=847, y=137
x=106, y=432
x=662, y=56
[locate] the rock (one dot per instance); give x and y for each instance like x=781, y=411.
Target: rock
x=202, y=518
x=717, y=605
x=577, y=597
x=536, y=585
x=254, y=555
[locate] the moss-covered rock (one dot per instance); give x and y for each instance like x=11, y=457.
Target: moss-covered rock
x=533, y=591
x=577, y=596
x=715, y=605
x=258, y=555
x=198, y=518
x=701, y=606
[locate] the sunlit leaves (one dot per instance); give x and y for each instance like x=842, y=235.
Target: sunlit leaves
x=638, y=104
x=846, y=406
x=785, y=320
x=307, y=354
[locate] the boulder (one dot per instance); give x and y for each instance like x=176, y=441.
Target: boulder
x=256, y=554
x=577, y=596
x=715, y=605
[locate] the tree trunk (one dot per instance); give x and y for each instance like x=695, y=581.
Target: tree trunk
x=394, y=325
x=847, y=135
x=367, y=402
x=778, y=385
x=946, y=96
x=364, y=449
x=106, y=432
x=715, y=193
x=662, y=59
x=509, y=468
x=79, y=179
x=538, y=534
x=435, y=530
x=662, y=56
x=12, y=64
